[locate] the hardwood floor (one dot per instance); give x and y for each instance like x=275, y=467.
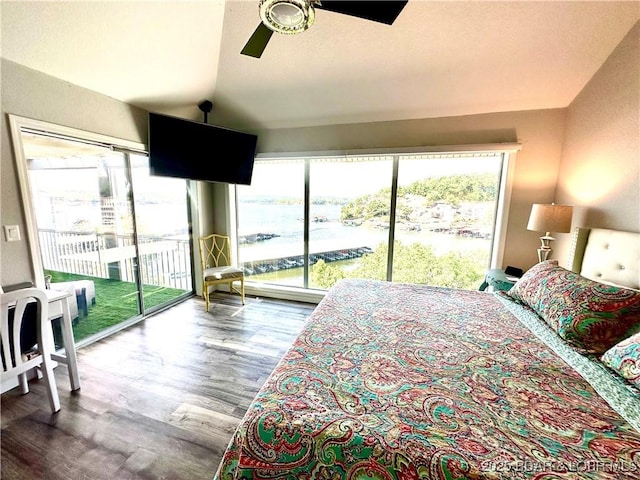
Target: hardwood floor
x=159, y=400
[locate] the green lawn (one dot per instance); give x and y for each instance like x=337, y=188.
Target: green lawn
x=116, y=301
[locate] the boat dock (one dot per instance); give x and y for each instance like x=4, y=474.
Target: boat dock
x=297, y=261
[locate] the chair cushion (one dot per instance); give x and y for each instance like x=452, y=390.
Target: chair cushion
x=221, y=273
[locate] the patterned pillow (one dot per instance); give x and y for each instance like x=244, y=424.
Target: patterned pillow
x=589, y=315
x=624, y=359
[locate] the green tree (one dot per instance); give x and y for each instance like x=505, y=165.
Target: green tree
x=373, y=265
x=325, y=275
x=452, y=189
x=413, y=263
x=377, y=207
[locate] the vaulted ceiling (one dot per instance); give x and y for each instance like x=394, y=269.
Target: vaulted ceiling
x=438, y=59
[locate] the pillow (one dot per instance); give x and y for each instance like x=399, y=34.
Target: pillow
x=624, y=359
x=589, y=315
x=529, y=291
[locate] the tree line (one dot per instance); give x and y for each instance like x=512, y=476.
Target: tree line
x=413, y=263
x=452, y=189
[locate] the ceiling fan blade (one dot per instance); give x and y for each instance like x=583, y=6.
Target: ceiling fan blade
x=377, y=10
x=258, y=41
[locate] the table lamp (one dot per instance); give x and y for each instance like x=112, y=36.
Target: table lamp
x=549, y=218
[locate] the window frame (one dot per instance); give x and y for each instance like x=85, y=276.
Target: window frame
x=16, y=125
x=508, y=150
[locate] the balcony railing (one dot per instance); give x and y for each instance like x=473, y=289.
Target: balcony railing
x=163, y=261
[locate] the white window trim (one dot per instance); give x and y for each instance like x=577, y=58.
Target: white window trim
x=502, y=214
x=470, y=148
x=16, y=124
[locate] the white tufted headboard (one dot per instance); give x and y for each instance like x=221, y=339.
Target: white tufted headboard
x=607, y=256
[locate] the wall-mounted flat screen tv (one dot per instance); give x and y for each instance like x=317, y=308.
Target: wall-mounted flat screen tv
x=199, y=151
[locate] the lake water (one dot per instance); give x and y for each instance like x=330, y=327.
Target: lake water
x=286, y=221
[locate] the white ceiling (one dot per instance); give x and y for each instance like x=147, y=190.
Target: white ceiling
x=438, y=58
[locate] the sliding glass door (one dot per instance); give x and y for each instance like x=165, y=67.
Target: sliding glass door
x=424, y=218
x=162, y=232
x=109, y=233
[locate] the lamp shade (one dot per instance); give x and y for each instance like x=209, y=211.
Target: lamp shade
x=550, y=218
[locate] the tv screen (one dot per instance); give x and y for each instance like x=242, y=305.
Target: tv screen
x=199, y=151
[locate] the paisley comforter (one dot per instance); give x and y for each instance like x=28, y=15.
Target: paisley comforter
x=397, y=381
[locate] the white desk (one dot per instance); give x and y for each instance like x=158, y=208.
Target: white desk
x=59, y=305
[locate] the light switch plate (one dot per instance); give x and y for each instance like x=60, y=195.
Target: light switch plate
x=12, y=233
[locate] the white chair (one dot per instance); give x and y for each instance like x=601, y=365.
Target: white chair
x=14, y=361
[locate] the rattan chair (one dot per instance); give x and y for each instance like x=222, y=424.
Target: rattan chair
x=215, y=259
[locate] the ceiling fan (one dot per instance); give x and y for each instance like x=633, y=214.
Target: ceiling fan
x=295, y=16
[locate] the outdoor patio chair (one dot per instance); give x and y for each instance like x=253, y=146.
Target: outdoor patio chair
x=84, y=292
x=215, y=259
x=15, y=309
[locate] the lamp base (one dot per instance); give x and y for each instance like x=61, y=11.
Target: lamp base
x=545, y=248
x=543, y=254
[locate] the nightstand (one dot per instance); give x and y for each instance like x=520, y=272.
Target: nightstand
x=497, y=279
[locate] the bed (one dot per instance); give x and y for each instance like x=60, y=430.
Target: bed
x=400, y=381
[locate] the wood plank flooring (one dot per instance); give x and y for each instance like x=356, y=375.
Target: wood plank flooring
x=159, y=400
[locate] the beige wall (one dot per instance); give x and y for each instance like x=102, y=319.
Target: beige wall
x=600, y=168
x=31, y=94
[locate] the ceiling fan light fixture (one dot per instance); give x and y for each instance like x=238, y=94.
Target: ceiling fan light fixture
x=287, y=16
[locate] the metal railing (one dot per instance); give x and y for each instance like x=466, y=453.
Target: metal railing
x=163, y=261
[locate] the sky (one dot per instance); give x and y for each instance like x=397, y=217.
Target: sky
x=352, y=178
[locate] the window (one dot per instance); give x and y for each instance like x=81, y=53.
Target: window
x=445, y=218
x=350, y=205
x=429, y=218
x=101, y=227
x=271, y=223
